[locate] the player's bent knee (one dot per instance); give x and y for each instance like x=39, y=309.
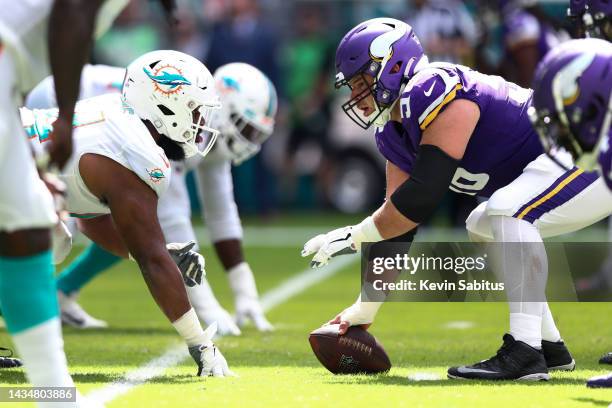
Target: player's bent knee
x=501, y=203
x=478, y=225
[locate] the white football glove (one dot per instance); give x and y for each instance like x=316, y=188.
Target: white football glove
x=208, y=357
x=359, y=313
x=62, y=242
x=325, y=246
x=190, y=263
x=346, y=240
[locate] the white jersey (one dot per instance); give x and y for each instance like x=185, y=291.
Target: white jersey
x=96, y=80
x=23, y=34
x=213, y=174
x=102, y=126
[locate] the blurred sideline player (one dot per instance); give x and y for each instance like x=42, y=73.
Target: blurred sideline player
x=245, y=120
x=527, y=36
x=593, y=18
x=446, y=126
x=35, y=36
x=120, y=168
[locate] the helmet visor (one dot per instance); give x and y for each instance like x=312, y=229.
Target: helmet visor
x=244, y=138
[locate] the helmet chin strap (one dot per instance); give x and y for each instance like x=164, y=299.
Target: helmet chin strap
x=385, y=115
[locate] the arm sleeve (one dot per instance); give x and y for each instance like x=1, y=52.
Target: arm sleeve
x=216, y=192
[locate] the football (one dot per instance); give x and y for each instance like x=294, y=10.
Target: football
x=357, y=351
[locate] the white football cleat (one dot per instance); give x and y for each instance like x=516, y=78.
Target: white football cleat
x=74, y=315
x=248, y=308
x=225, y=324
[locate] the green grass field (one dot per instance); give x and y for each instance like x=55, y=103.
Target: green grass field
x=279, y=369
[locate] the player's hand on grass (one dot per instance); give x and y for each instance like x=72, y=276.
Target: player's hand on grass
x=250, y=309
x=208, y=357
x=326, y=246
x=190, y=263
x=60, y=148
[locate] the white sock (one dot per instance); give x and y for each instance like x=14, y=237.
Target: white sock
x=42, y=350
x=523, y=265
x=189, y=328
x=202, y=297
x=242, y=281
x=526, y=328
x=549, y=329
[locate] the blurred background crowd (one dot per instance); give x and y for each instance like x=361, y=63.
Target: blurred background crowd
x=317, y=159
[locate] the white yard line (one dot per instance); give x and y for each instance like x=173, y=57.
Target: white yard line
x=177, y=353
x=459, y=325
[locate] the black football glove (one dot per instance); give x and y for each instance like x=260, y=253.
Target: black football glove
x=190, y=263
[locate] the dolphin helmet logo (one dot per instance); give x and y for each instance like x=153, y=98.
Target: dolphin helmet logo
x=167, y=79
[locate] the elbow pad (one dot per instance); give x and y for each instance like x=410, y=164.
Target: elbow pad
x=418, y=197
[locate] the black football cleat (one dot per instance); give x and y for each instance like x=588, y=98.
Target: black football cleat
x=557, y=356
x=606, y=359
x=515, y=360
x=602, y=381
x=9, y=361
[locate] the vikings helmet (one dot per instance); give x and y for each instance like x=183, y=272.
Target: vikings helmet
x=246, y=120
x=572, y=103
x=388, y=51
x=176, y=93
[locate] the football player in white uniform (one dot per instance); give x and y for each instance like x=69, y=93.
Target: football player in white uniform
x=34, y=36
x=245, y=120
x=121, y=167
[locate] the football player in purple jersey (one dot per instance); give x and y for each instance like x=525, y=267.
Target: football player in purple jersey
x=444, y=126
x=572, y=108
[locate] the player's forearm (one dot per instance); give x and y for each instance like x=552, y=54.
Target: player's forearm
x=390, y=223
x=165, y=283
x=229, y=252
x=71, y=26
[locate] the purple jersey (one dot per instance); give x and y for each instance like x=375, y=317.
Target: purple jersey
x=502, y=143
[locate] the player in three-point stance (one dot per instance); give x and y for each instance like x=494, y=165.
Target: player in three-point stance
x=444, y=126
x=245, y=121
x=121, y=168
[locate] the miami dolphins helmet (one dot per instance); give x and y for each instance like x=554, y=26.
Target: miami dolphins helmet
x=246, y=119
x=176, y=93
x=572, y=101
x=386, y=50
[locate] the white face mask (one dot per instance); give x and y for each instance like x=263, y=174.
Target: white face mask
x=201, y=138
